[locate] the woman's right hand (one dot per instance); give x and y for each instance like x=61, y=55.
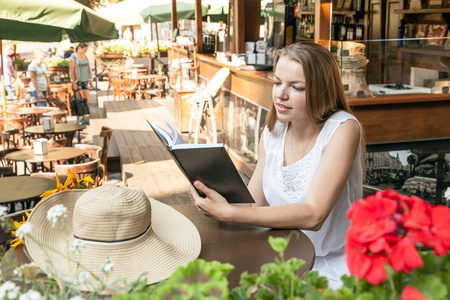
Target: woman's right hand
x=75, y=86
x=41, y=95
x=213, y=205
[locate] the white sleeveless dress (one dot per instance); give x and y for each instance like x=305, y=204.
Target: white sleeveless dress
x=290, y=184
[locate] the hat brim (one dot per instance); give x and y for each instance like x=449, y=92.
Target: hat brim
x=172, y=241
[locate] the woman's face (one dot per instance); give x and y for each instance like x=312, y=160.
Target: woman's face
x=82, y=50
x=288, y=93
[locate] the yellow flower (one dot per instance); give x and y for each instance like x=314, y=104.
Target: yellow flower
x=70, y=184
x=16, y=242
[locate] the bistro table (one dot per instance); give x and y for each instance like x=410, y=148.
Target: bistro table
x=29, y=103
x=137, y=82
x=245, y=247
x=23, y=189
x=32, y=112
x=67, y=128
x=54, y=154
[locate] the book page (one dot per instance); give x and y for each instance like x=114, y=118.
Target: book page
x=177, y=137
x=163, y=134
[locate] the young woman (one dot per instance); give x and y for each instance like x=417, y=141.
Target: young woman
x=310, y=160
x=80, y=72
x=38, y=78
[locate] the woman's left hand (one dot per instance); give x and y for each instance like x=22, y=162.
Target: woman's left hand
x=213, y=205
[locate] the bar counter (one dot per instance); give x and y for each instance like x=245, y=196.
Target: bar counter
x=384, y=118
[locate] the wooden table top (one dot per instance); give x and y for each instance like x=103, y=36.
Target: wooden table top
x=21, y=188
x=59, y=128
x=28, y=110
x=54, y=154
x=245, y=247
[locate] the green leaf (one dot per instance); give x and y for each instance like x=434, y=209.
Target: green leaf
x=432, y=287
x=278, y=244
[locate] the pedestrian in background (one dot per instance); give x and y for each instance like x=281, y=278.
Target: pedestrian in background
x=38, y=77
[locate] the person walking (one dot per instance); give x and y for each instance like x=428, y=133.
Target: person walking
x=81, y=73
x=9, y=72
x=38, y=77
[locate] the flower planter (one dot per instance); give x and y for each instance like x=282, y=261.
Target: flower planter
x=61, y=69
x=112, y=55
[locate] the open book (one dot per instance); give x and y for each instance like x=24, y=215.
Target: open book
x=209, y=163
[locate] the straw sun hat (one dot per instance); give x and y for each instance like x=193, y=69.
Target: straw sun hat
x=143, y=238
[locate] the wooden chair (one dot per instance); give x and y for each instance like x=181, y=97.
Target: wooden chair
x=106, y=134
x=91, y=168
x=60, y=116
x=57, y=142
x=118, y=87
x=369, y=190
x=7, y=171
x=12, y=130
x=10, y=164
x=51, y=175
x=92, y=152
x=62, y=95
x=160, y=84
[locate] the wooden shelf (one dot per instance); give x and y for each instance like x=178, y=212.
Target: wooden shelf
x=301, y=38
x=423, y=11
x=306, y=12
x=344, y=12
x=423, y=51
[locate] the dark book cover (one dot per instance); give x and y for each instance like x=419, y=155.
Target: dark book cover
x=208, y=163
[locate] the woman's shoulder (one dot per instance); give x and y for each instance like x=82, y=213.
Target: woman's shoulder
x=335, y=121
x=342, y=116
x=73, y=56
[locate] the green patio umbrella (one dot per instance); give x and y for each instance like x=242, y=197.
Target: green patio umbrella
x=51, y=21
x=161, y=10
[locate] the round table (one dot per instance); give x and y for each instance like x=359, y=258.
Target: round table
x=23, y=188
x=54, y=154
x=32, y=112
x=67, y=128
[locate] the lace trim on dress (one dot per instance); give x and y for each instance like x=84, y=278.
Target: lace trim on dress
x=294, y=178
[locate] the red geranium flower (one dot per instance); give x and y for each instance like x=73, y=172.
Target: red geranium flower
x=404, y=257
x=411, y=293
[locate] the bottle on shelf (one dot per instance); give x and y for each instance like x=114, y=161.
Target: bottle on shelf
x=401, y=33
x=359, y=31
x=311, y=27
x=350, y=31
x=303, y=28
x=343, y=30
x=333, y=29
x=307, y=33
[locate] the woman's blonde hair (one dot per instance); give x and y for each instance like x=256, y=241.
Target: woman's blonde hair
x=324, y=90
x=36, y=52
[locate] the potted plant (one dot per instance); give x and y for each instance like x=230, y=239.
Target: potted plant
x=57, y=64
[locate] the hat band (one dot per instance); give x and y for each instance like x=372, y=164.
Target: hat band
x=123, y=241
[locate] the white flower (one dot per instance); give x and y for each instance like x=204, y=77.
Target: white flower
x=23, y=230
x=76, y=245
x=31, y=295
x=77, y=298
x=54, y=213
x=82, y=277
x=3, y=211
x=9, y=290
x=447, y=194
x=108, y=266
